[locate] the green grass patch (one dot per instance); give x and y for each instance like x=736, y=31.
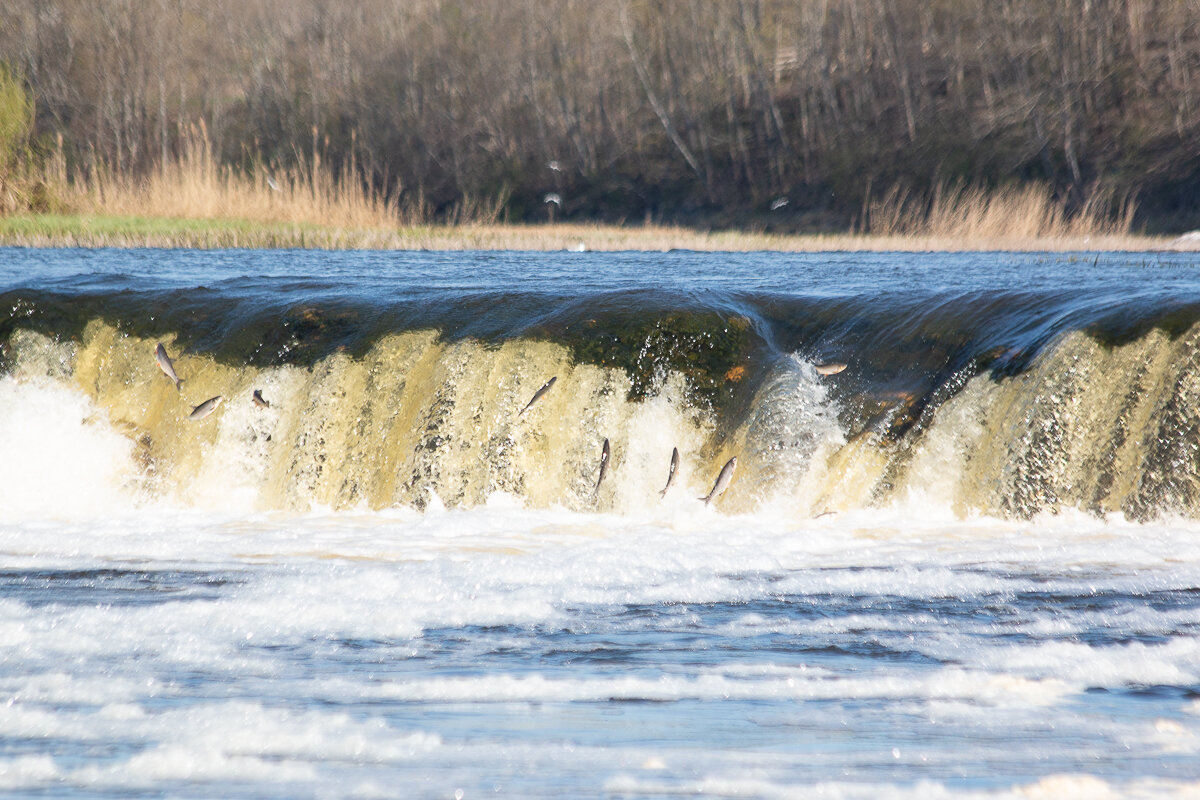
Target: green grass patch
x=84, y=225
x=99, y=230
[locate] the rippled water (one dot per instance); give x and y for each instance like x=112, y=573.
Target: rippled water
x=519, y=653
x=150, y=648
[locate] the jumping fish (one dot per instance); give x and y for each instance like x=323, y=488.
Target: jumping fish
x=538, y=395
x=164, y=362
x=832, y=368
x=204, y=409
x=671, y=474
x=603, y=467
x=258, y=399
x=723, y=481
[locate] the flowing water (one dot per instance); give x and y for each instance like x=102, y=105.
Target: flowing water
x=966, y=565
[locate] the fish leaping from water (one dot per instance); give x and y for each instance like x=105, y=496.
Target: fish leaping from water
x=671, y=474
x=167, y=366
x=259, y=400
x=204, y=409
x=723, y=481
x=832, y=368
x=538, y=395
x=604, y=453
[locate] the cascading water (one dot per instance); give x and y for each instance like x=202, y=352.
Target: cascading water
x=967, y=565
x=414, y=415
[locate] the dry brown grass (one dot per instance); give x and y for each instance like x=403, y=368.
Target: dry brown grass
x=196, y=202
x=657, y=238
x=97, y=231
x=196, y=186
x=1029, y=211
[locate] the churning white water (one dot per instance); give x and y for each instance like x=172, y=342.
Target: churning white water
x=151, y=648
x=966, y=566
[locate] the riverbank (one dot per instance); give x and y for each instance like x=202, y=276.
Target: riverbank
x=95, y=230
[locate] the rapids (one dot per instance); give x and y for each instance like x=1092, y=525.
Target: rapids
x=968, y=565
x=1007, y=387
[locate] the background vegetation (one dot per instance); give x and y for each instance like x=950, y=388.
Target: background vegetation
x=796, y=115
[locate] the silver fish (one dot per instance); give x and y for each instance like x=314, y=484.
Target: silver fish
x=723, y=480
x=538, y=395
x=204, y=409
x=165, y=363
x=671, y=474
x=832, y=368
x=259, y=400
x=603, y=467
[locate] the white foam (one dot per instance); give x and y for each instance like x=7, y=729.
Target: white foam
x=234, y=465
x=216, y=742
x=1174, y=663
x=1053, y=787
x=299, y=587
x=980, y=689
x=61, y=457
x=28, y=772
x=790, y=435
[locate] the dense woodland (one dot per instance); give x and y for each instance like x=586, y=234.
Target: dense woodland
x=698, y=111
